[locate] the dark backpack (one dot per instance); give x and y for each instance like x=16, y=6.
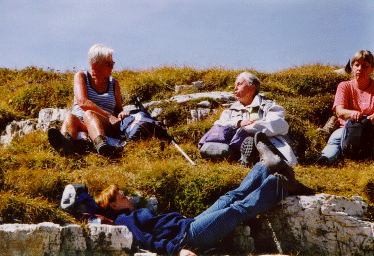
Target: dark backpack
x=76, y=200
x=357, y=139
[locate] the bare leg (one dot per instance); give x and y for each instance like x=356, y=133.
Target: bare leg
x=96, y=124
x=72, y=125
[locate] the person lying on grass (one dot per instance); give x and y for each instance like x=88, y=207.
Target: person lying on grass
x=269, y=181
x=97, y=105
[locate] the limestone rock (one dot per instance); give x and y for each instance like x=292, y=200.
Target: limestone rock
x=18, y=129
x=48, y=115
x=198, y=114
x=224, y=97
x=51, y=239
x=316, y=225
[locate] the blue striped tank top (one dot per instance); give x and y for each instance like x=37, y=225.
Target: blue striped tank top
x=105, y=100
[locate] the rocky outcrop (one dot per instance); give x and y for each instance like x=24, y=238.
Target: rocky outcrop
x=49, y=115
x=315, y=225
x=18, y=129
x=300, y=225
x=51, y=239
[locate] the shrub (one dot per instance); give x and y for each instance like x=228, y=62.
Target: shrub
x=309, y=80
x=31, y=99
x=6, y=117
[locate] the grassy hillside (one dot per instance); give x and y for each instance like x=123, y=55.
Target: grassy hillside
x=33, y=175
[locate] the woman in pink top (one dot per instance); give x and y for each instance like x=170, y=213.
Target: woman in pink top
x=353, y=99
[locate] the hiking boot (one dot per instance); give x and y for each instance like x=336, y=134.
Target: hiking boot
x=248, y=151
x=322, y=160
x=261, y=137
x=273, y=161
x=294, y=187
x=62, y=143
x=331, y=125
x=103, y=147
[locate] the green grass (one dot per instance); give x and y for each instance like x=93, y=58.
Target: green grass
x=33, y=175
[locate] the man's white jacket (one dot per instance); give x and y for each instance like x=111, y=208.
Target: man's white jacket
x=271, y=122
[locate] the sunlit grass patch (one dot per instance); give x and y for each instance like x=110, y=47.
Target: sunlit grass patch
x=15, y=207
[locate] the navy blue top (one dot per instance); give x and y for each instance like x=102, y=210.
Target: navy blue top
x=161, y=234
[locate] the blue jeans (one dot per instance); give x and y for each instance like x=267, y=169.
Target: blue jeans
x=258, y=192
x=333, y=149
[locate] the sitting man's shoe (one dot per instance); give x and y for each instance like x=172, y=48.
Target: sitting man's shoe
x=303, y=190
x=248, y=151
x=63, y=143
x=103, y=147
x=293, y=186
x=290, y=185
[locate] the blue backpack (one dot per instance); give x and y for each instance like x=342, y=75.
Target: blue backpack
x=139, y=125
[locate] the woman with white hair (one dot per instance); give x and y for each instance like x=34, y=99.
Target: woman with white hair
x=97, y=105
x=254, y=113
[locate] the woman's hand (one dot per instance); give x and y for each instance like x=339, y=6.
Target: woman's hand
x=115, y=121
x=123, y=114
x=345, y=114
x=371, y=118
x=356, y=115
x=185, y=252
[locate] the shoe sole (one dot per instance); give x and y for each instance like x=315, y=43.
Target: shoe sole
x=260, y=136
x=247, y=146
x=248, y=151
x=106, y=150
x=58, y=141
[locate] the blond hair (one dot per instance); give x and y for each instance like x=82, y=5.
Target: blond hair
x=107, y=196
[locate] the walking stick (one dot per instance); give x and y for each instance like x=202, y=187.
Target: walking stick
x=163, y=132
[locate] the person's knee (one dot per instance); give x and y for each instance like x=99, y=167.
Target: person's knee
x=88, y=116
x=69, y=117
x=70, y=120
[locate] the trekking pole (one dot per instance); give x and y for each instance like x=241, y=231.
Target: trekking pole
x=138, y=104
x=183, y=153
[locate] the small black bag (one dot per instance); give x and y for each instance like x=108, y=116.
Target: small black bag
x=357, y=139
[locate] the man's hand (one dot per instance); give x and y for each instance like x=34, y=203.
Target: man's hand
x=185, y=252
x=246, y=122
